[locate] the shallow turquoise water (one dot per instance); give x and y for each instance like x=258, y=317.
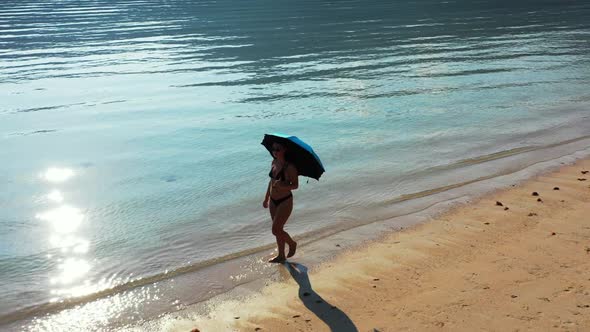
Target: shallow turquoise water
x=130, y=131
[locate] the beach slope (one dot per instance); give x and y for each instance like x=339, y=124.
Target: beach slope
x=515, y=260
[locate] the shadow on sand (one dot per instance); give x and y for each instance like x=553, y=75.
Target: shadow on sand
x=335, y=318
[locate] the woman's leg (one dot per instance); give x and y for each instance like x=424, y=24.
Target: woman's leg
x=273, y=211
x=281, y=215
x=272, y=208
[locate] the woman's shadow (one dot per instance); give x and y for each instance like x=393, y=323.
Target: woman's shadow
x=335, y=318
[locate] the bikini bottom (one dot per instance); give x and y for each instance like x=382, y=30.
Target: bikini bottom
x=276, y=202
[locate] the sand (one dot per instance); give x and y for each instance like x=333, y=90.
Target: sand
x=510, y=261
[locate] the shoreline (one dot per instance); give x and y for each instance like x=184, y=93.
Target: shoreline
x=431, y=249
x=249, y=274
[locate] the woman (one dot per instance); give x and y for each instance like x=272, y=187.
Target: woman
x=283, y=179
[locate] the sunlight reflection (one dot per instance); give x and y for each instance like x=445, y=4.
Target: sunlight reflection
x=72, y=276
x=70, y=270
x=94, y=313
x=64, y=219
x=55, y=174
x=70, y=243
x=81, y=247
x=81, y=288
x=55, y=196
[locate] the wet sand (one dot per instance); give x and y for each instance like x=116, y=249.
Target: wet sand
x=514, y=260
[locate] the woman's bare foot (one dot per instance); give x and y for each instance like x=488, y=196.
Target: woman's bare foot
x=292, y=249
x=277, y=259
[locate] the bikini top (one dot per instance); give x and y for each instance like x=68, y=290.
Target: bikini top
x=280, y=176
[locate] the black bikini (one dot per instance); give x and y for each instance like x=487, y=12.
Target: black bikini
x=280, y=176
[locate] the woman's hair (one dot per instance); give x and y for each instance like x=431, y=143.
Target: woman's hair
x=288, y=157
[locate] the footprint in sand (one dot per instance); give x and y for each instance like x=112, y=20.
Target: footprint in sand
x=535, y=193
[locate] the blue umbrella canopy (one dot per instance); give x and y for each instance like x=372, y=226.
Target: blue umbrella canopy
x=299, y=153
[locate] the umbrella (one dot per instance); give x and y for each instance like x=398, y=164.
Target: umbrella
x=299, y=153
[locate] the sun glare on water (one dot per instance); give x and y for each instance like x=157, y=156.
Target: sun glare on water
x=64, y=219
x=55, y=174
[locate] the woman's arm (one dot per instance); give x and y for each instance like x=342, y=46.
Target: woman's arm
x=266, y=197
